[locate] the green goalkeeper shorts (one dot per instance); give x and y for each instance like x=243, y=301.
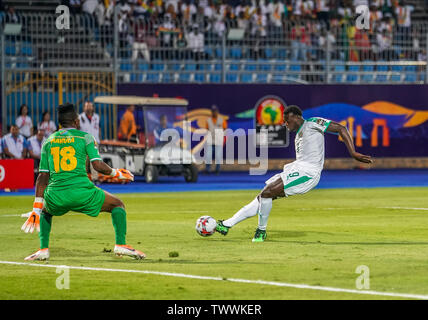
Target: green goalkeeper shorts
x=88, y=200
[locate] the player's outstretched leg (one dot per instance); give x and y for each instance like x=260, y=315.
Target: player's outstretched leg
x=269, y=193
x=248, y=211
x=118, y=215
x=45, y=230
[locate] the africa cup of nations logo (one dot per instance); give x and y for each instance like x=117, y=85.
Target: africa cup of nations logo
x=269, y=116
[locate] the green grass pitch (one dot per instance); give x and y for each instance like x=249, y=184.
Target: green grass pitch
x=317, y=239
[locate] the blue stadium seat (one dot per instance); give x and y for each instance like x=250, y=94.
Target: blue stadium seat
x=351, y=77
x=153, y=77
x=184, y=77
x=218, y=67
x=190, y=67
x=234, y=67
x=410, y=68
x=199, y=77
x=281, y=54
x=143, y=66
x=10, y=50
x=268, y=53
x=136, y=77
x=354, y=68
x=158, y=67
x=410, y=77
x=339, y=68
x=280, y=67
x=209, y=52
x=337, y=77
x=126, y=66
x=368, y=68
x=168, y=77
x=250, y=67
x=261, y=77
x=236, y=53
x=396, y=78
x=265, y=65
x=397, y=68
x=27, y=50
x=175, y=66
x=381, y=77
x=382, y=68
x=218, y=53
x=214, y=77
x=23, y=65
x=295, y=71
x=205, y=67
x=278, y=78
x=231, y=77
x=367, y=78
x=246, y=77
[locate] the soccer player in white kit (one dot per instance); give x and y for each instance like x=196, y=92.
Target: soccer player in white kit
x=297, y=177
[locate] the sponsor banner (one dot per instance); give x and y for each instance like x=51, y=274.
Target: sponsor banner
x=17, y=174
x=384, y=120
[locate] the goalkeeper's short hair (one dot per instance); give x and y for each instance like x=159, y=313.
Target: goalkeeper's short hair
x=66, y=114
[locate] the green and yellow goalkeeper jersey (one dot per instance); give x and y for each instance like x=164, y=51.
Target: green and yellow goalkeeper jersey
x=64, y=156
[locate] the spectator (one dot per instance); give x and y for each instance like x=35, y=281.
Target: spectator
x=188, y=10
x=11, y=15
x=99, y=13
x=128, y=127
x=384, y=43
x=215, y=139
x=24, y=122
x=89, y=6
x=195, y=43
x=47, y=125
x=322, y=11
x=35, y=147
x=90, y=121
x=299, y=42
x=75, y=6
x=14, y=144
x=140, y=41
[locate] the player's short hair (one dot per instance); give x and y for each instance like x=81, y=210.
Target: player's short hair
x=66, y=114
x=294, y=110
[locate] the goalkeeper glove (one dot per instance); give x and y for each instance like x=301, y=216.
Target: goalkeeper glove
x=122, y=174
x=33, y=221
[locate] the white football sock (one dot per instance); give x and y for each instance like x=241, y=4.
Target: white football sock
x=265, y=208
x=250, y=210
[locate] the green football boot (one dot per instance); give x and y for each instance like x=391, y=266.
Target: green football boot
x=221, y=228
x=259, y=236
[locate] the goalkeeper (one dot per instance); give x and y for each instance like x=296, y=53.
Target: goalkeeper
x=63, y=185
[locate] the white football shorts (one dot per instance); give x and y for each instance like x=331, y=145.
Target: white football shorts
x=296, y=179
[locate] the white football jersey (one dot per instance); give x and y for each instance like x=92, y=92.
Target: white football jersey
x=309, y=144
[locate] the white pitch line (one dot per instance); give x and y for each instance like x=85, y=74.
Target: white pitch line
x=261, y=282
x=405, y=208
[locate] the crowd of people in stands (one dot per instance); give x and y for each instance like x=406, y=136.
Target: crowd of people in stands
x=298, y=24
x=157, y=28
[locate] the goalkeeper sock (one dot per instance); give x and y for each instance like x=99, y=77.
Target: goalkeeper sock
x=250, y=210
x=45, y=229
x=265, y=208
x=118, y=216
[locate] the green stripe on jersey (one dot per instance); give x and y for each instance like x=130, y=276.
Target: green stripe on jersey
x=297, y=182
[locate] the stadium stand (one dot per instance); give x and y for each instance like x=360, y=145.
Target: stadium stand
x=152, y=42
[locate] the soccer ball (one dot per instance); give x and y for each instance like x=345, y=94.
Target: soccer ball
x=205, y=226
